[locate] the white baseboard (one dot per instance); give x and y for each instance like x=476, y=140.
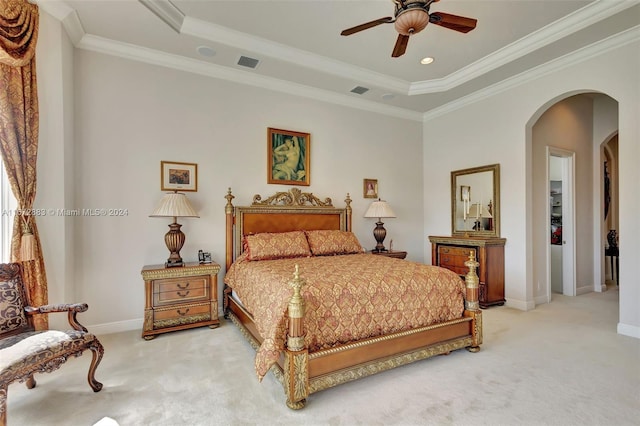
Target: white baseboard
x=522, y=305
x=629, y=330
x=116, y=327
x=584, y=290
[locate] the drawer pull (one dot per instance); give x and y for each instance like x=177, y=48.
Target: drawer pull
x=445, y=250
x=183, y=313
x=181, y=287
x=184, y=294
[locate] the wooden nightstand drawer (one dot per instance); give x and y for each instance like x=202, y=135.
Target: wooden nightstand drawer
x=185, y=314
x=180, y=290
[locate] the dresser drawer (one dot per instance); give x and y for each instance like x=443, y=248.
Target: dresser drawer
x=453, y=258
x=180, y=290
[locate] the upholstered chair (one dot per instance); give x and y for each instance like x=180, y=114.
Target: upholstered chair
x=25, y=351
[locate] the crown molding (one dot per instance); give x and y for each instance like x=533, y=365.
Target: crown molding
x=167, y=12
x=613, y=42
x=155, y=57
x=573, y=22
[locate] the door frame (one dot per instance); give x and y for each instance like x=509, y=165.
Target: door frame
x=568, y=221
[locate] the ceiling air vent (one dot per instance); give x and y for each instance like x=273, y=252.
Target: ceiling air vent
x=245, y=61
x=359, y=90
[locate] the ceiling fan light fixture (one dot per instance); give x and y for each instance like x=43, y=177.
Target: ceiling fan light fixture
x=411, y=21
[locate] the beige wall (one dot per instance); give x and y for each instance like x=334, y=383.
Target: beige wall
x=498, y=129
x=129, y=116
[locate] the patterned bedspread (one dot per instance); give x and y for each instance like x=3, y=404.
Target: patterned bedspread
x=347, y=298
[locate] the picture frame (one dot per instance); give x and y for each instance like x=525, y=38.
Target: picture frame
x=370, y=188
x=175, y=176
x=288, y=157
x=465, y=193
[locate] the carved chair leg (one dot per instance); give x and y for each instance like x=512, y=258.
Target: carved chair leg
x=31, y=382
x=3, y=406
x=97, y=351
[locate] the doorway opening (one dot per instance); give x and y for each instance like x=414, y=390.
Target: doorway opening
x=561, y=263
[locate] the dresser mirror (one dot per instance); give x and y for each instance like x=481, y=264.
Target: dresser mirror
x=475, y=202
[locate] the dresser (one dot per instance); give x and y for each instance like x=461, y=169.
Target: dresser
x=179, y=297
x=452, y=252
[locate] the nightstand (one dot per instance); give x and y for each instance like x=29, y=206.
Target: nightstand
x=396, y=254
x=179, y=297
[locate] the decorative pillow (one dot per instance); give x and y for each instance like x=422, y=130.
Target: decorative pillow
x=279, y=245
x=329, y=242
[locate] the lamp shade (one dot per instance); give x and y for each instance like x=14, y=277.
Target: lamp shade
x=379, y=209
x=478, y=210
x=175, y=204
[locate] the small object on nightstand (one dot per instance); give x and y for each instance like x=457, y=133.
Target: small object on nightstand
x=204, y=257
x=180, y=298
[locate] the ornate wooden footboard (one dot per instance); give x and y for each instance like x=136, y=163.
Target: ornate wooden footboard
x=302, y=372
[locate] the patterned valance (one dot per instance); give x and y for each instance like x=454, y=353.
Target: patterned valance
x=18, y=32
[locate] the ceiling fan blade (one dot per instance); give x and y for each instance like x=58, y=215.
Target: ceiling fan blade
x=453, y=22
x=367, y=25
x=401, y=45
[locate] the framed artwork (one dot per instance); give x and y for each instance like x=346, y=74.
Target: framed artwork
x=465, y=193
x=370, y=188
x=178, y=176
x=288, y=157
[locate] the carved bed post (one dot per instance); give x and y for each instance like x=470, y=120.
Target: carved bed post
x=348, y=210
x=228, y=210
x=296, y=367
x=471, y=304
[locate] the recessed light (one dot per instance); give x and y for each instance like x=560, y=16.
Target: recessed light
x=426, y=61
x=206, y=51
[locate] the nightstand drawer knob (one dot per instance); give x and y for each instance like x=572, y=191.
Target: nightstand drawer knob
x=183, y=293
x=183, y=287
x=181, y=313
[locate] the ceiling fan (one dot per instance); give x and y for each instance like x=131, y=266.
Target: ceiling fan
x=411, y=17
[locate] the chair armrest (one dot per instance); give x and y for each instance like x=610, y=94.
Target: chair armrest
x=71, y=308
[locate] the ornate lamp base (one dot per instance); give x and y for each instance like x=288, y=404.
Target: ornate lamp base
x=379, y=234
x=174, y=239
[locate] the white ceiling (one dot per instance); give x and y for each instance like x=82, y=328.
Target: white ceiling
x=300, y=49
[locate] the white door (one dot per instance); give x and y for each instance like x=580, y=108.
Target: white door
x=563, y=171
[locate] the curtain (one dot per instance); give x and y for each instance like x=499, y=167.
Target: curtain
x=19, y=138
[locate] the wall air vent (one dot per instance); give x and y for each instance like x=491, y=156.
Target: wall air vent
x=248, y=62
x=359, y=90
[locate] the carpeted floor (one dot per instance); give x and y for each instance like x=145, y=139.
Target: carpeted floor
x=560, y=364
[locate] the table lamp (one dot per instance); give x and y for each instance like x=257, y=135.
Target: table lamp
x=175, y=204
x=379, y=209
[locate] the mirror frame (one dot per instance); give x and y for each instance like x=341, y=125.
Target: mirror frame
x=495, y=232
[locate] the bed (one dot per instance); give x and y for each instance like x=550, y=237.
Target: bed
x=290, y=319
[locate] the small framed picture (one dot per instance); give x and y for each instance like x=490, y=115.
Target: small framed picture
x=465, y=193
x=370, y=188
x=178, y=176
x=288, y=157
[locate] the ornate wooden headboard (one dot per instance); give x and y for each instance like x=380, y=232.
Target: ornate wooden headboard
x=293, y=210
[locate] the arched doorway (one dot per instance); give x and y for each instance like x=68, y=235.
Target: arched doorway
x=578, y=123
